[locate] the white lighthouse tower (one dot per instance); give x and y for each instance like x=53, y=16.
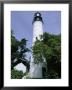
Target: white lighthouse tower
x=37, y=26
x=36, y=70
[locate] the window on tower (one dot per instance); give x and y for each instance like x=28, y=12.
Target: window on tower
x=37, y=18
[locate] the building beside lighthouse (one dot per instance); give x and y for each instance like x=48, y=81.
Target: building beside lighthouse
x=37, y=70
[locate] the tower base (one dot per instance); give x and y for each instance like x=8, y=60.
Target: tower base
x=37, y=70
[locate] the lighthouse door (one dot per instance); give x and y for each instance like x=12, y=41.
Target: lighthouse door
x=43, y=72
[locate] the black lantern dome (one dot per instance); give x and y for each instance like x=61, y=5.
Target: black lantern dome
x=37, y=17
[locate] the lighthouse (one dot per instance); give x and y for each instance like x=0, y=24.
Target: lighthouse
x=36, y=70
x=37, y=26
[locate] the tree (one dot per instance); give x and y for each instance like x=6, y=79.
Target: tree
x=38, y=52
x=18, y=52
x=15, y=74
x=53, y=54
x=49, y=48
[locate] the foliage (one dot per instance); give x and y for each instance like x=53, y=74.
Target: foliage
x=53, y=75
x=26, y=75
x=38, y=52
x=50, y=49
x=15, y=74
x=18, y=52
x=53, y=54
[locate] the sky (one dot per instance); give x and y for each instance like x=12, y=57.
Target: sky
x=21, y=24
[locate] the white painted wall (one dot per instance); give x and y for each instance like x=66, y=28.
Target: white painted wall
x=36, y=69
x=37, y=30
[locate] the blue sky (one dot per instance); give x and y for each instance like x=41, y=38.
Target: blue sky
x=21, y=23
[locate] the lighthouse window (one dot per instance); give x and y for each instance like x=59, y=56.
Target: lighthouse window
x=37, y=18
x=36, y=38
